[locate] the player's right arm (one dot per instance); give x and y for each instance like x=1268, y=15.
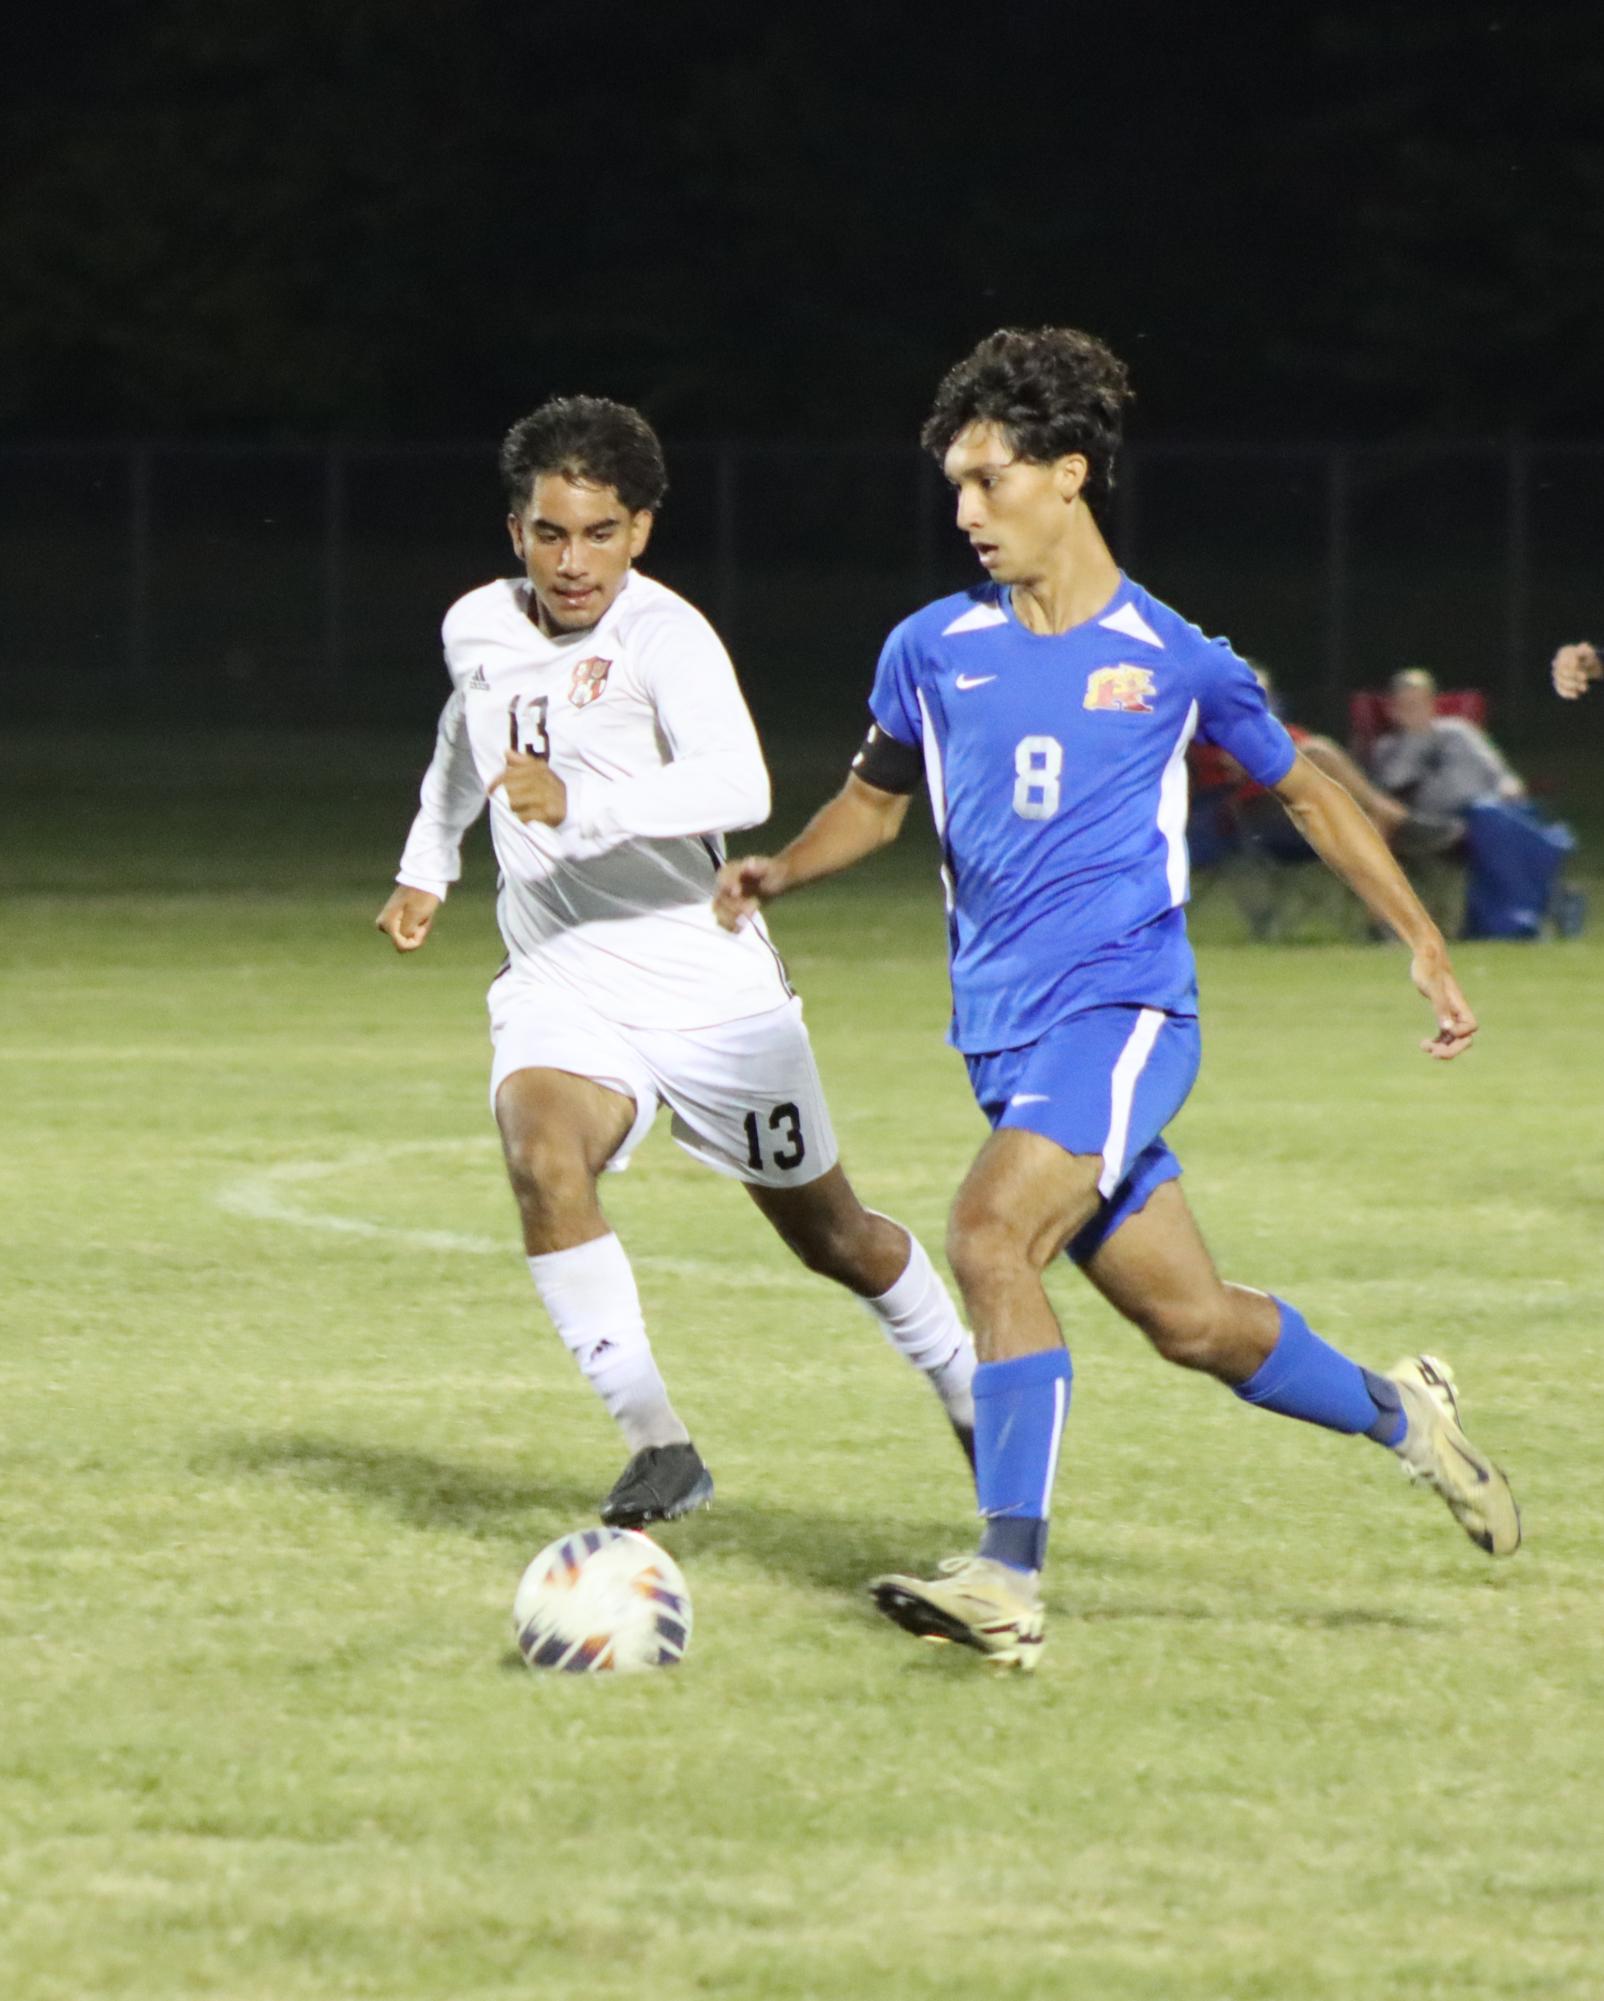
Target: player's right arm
x=857, y=821
x=407, y=916
x=866, y=814
x=450, y=799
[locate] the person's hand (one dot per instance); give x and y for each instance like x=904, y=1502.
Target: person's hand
x=533, y=790
x=744, y=887
x=406, y=918
x=1456, y=1025
x=1574, y=666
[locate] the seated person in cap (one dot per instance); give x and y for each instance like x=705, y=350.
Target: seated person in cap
x=1215, y=774
x=1439, y=766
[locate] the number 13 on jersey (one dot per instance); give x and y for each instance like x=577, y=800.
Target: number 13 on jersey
x=526, y=719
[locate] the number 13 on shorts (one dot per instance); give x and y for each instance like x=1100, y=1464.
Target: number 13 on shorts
x=747, y=1099
x=787, y=1150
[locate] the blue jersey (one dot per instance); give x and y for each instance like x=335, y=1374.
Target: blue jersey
x=1057, y=772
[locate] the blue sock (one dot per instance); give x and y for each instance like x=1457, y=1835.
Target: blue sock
x=1305, y=1377
x=1020, y=1407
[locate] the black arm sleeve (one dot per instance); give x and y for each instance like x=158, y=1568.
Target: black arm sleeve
x=887, y=765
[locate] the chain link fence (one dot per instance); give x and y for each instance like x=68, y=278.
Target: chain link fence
x=253, y=584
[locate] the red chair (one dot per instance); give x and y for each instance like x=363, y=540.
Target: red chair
x=1368, y=718
x=1238, y=835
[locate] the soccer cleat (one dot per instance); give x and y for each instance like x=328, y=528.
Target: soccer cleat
x=1436, y=1453
x=661, y=1483
x=975, y=1602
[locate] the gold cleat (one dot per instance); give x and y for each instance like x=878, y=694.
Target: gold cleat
x=1436, y=1453
x=975, y=1602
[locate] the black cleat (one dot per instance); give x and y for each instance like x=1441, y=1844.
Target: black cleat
x=661, y=1483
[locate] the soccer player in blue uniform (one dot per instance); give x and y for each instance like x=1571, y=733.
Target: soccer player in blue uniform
x=1049, y=709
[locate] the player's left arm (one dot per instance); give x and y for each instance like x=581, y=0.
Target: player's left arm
x=1337, y=829
x=715, y=779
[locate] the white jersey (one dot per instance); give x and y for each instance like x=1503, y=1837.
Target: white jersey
x=644, y=723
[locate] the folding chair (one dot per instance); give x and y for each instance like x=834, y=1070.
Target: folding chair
x=1241, y=839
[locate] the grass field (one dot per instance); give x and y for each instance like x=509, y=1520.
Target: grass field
x=283, y=1424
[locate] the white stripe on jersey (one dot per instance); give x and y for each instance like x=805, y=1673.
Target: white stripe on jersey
x=938, y=795
x=1129, y=621
x=976, y=619
x=1172, y=804
x=1132, y=1062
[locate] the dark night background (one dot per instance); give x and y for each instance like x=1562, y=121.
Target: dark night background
x=402, y=222
x=402, y=217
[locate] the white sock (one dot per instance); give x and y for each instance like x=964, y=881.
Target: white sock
x=589, y=1291
x=921, y=1322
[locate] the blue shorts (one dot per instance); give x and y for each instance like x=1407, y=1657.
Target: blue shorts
x=1105, y=1082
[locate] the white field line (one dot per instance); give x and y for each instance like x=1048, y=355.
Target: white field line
x=272, y=1195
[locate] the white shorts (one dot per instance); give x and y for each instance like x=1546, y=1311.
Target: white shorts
x=745, y=1095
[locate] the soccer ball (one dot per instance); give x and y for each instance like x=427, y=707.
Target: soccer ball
x=602, y=1601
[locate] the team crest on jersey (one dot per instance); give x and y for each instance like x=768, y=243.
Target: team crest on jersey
x=1126, y=688
x=589, y=682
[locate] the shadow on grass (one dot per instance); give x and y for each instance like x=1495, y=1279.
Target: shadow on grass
x=423, y=1492
x=1331, y=1617
x=827, y=1551
x=808, y=1545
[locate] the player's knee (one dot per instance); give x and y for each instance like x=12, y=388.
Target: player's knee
x=548, y=1174
x=1193, y=1333
x=826, y=1245
x=982, y=1241
x=842, y=1240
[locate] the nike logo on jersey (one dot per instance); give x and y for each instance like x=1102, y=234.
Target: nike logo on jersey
x=973, y=680
x=1030, y=1098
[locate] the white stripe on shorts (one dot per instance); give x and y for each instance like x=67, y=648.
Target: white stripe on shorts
x=1132, y=1062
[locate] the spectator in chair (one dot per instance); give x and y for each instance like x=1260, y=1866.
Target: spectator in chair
x=1439, y=766
x=1390, y=817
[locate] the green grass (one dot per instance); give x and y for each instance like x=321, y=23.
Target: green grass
x=282, y=1426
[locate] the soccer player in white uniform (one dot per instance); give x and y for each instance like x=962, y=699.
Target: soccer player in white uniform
x=598, y=714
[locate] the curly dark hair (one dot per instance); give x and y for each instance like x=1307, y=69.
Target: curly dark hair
x=1051, y=389
x=585, y=438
